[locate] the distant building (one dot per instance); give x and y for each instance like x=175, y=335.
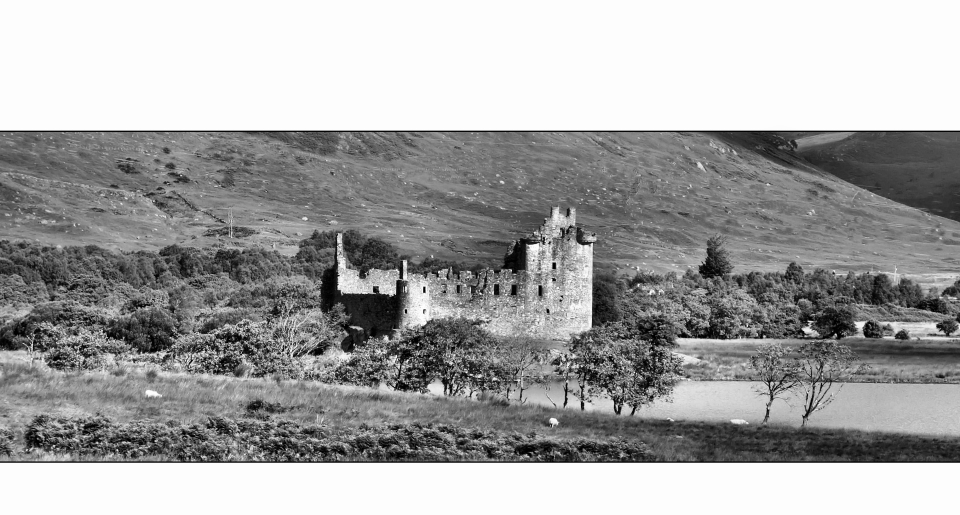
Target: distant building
x=545, y=289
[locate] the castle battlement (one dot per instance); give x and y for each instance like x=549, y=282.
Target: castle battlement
x=544, y=290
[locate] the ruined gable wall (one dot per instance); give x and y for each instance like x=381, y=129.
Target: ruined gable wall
x=349, y=281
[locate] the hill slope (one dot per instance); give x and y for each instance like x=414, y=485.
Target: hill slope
x=653, y=198
x=919, y=169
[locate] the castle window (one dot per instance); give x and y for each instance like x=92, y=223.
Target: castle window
x=496, y=289
x=424, y=289
x=513, y=289
x=459, y=289
x=404, y=312
x=540, y=291
x=376, y=289
x=554, y=279
x=473, y=290
x=554, y=265
x=424, y=312
x=404, y=288
x=548, y=311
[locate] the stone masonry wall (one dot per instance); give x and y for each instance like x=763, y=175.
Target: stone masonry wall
x=548, y=294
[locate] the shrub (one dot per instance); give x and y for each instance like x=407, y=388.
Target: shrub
x=69, y=316
x=262, y=405
x=148, y=329
x=902, y=334
x=274, y=348
x=83, y=351
x=166, y=150
x=221, y=439
x=872, y=329
x=170, y=166
x=6, y=442
x=243, y=370
x=227, y=317
x=205, y=353
x=146, y=298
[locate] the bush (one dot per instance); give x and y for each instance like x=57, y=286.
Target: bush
x=170, y=166
x=6, y=442
x=269, y=407
x=166, y=150
x=83, y=351
x=274, y=348
x=902, y=334
x=148, y=329
x=872, y=329
x=69, y=316
x=221, y=439
x=227, y=317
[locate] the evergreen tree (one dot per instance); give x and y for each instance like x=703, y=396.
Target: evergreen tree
x=718, y=261
x=794, y=274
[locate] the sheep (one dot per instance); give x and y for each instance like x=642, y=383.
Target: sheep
x=739, y=422
x=554, y=422
x=668, y=419
x=150, y=394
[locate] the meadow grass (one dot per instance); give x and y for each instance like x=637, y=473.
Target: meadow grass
x=27, y=391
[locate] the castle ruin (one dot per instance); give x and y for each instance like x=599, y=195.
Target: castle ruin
x=545, y=289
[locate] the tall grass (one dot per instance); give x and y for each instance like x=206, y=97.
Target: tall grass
x=28, y=391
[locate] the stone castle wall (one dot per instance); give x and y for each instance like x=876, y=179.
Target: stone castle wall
x=547, y=291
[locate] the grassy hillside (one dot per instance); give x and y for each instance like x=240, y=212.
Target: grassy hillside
x=919, y=169
x=653, y=198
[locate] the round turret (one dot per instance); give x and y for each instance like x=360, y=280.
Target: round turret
x=413, y=301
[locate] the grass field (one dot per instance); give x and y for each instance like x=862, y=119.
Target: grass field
x=26, y=392
x=931, y=360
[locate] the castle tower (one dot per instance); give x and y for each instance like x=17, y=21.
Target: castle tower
x=557, y=260
x=413, y=301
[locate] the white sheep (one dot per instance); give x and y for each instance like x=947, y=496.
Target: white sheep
x=554, y=422
x=150, y=394
x=739, y=422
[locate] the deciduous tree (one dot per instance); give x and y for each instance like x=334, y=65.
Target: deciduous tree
x=521, y=358
x=821, y=366
x=777, y=374
x=835, y=322
x=948, y=326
